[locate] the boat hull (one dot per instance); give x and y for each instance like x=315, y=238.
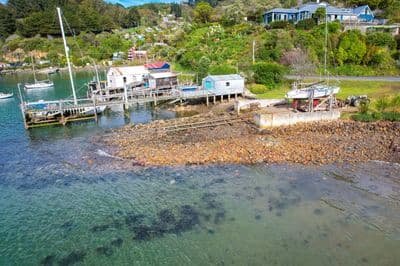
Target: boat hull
x=313, y=91
x=6, y=95
x=39, y=85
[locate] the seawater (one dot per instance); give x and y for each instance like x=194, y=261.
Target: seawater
x=62, y=202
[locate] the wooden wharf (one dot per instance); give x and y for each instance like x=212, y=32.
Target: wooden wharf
x=61, y=112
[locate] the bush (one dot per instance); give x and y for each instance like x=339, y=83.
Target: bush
x=282, y=24
x=258, y=89
x=268, y=74
x=382, y=104
x=363, y=108
x=222, y=70
x=306, y=24
x=363, y=117
x=391, y=116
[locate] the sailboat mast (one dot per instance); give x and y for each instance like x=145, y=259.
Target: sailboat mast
x=67, y=56
x=326, y=41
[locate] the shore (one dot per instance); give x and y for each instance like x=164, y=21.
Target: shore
x=242, y=143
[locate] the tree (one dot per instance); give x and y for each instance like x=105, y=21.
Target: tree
x=203, y=12
x=203, y=67
x=352, y=47
x=7, y=22
x=132, y=19
x=320, y=14
x=176, y=10
x=268, y=74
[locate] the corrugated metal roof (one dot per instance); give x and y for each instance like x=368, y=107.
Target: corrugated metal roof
x=157, y=65
x=360, y=9
x=161, y=75
x=133, y=70
x=225, y=77
x=283, y=10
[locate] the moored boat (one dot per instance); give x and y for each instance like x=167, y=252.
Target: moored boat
x=6, y=95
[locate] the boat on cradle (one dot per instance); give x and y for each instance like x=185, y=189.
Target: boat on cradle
x=6, y=95
x=38, y=84
x=316, y=90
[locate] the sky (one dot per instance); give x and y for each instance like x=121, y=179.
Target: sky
x=131, y=2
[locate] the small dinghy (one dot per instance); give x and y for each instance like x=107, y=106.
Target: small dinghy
x=6, y=95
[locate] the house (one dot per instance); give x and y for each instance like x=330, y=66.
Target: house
x=118, y=77
x=364, y=13
x=162, y=80
x=224, y=84
x=306, y=11
x=136, y=54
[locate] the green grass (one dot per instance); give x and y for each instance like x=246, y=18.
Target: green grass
x=374, y=89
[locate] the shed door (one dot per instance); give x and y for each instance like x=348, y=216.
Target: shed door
x=208, y=85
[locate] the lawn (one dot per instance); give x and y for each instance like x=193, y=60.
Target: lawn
x=374, y=89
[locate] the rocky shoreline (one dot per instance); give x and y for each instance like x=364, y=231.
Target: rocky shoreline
x=242, y=143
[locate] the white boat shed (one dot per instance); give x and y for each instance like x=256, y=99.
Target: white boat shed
x=224, y=84
x=118, y=77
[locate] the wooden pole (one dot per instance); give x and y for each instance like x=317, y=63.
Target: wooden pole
x=207, y=100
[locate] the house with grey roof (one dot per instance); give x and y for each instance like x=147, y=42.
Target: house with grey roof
x=306, y=11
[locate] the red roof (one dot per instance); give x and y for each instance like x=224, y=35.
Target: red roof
x=157, y=65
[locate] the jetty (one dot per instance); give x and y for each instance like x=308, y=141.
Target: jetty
x=61, y=112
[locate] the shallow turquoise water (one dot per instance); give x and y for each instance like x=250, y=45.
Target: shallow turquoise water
x=62, y=202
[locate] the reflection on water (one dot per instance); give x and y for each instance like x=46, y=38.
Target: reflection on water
x=63, y=201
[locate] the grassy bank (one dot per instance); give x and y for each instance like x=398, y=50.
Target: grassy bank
x=374, y=89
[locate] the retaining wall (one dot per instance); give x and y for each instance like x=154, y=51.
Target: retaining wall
x=287, y=119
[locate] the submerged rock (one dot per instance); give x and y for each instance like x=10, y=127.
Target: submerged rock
x=72, y=258
x=99, y=228
x=117, y=242
x=104, y=250
x=48, y=260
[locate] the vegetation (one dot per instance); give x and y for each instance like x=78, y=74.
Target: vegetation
x=384, y=108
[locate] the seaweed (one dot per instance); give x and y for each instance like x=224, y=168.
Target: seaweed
x=143, y=232
x=48, y=260
x=117, y=242
x=99, y=228
x=219, y=216
x=104, y=250
x=189, y=217
x=72, y=258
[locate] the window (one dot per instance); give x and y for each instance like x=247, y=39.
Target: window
x=124, y=78
x=228, y=84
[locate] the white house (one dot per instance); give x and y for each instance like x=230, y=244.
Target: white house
x=224, y=84
x=118, y=77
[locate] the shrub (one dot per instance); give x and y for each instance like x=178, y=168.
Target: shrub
x=395, y=102
x=391, y=116
x=306, y=24
x=363, y=117
x=363, y=108
x=282, y=24
x=268, y=74
x=222, y=70
x=382, y=104
x=258, y=89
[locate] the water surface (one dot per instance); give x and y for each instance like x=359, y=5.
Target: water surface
x=62, y=202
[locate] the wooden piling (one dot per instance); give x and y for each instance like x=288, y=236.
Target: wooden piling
x=207, y=100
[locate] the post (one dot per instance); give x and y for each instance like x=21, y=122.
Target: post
x=125, y=96
x=229, y=97
x=95, y=110
x=254, y=50
x=214, y=99
x=207, y=100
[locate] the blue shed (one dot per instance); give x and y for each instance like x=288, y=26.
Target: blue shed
x=224, y=84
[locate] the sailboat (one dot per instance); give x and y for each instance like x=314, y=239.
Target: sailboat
x=6, y=95
x=38, y=84
x=60, y=110
x=318, y=89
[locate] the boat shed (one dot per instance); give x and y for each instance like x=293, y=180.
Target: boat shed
x=224, y=84
x=118, y=77
x=163, y=80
